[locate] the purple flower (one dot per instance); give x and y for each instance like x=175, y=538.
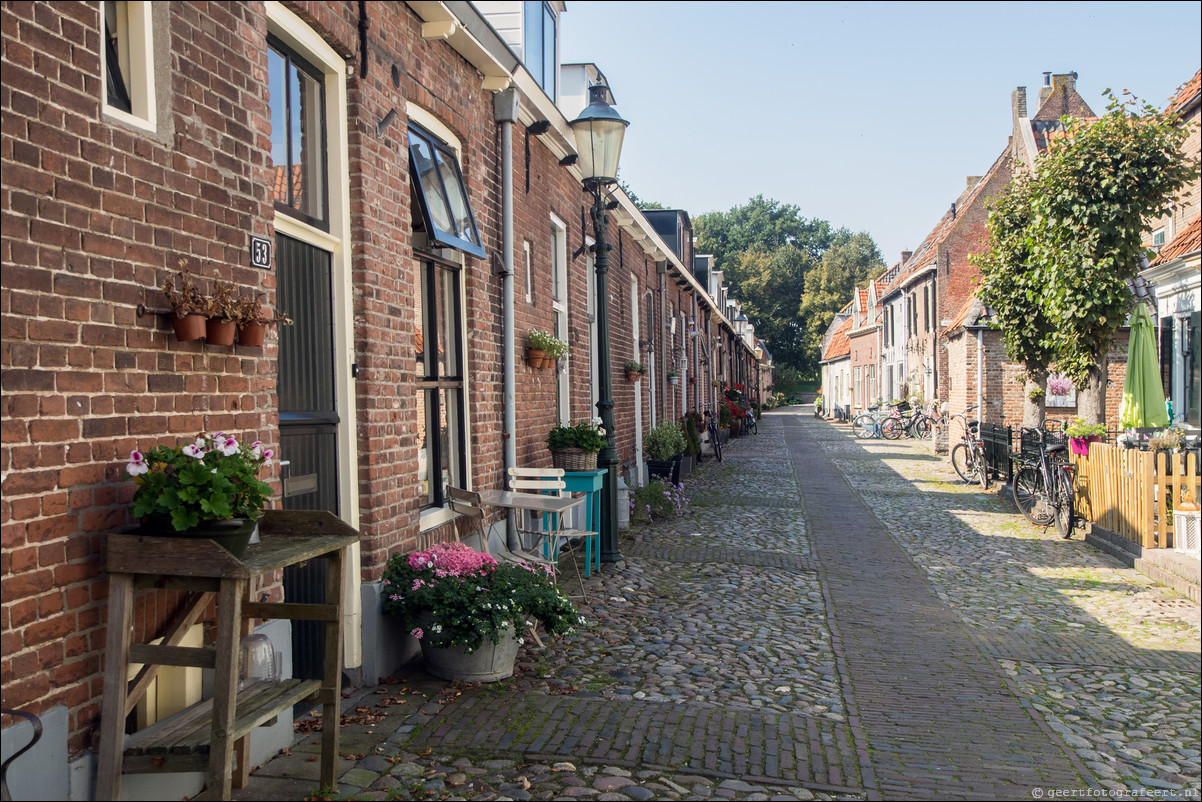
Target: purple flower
x=191, y=450
x=417, y=633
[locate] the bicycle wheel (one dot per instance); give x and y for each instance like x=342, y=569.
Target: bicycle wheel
x=1064, y=505
x=716, y=443
x=963, y=462
x=1031, y=496
x=924, y=427
x=864, y=426
x=892, y=428
x=982, y=466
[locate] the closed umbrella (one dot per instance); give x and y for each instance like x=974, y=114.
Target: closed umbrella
x=1143, y=393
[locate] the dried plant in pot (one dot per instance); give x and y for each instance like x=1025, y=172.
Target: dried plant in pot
x=222, y=311
x=188, y=308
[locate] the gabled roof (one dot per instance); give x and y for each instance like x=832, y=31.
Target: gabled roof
x=840, y=346
x=923, y=254
x=1188, y=240
x=1187, y=95
x=971, y=312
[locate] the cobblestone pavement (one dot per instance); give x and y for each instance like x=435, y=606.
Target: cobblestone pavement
x=833, y=619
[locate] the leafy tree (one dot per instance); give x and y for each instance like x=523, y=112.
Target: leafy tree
x=831, y=283
x=1066, y=244
x=761, y=225
x=772, y=284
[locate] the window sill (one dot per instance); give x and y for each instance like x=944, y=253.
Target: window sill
x=125, y=118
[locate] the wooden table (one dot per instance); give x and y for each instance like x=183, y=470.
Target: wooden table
x=210, y=734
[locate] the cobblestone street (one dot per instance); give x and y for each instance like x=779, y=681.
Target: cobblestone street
x=834, y=618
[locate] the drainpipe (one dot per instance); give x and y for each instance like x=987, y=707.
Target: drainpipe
x=980, y=372
x=505, y=112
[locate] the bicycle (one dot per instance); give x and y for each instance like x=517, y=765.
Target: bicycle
x=968, y=456
x=711, y=429
x=917, y=424
x=868, y=424
x=1043, y=484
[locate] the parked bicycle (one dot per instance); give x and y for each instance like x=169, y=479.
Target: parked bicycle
x=868, y=424
x=1043, y=483
x=968, y=456
x=917, y=423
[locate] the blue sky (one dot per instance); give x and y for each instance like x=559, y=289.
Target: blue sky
x=869, y=115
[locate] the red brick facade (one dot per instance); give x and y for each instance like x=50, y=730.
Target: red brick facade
x=97, y=213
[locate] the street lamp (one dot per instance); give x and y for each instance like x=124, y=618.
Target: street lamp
x=599, y=132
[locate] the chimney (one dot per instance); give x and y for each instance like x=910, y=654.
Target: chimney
x=906, y=256
x=1045, y=91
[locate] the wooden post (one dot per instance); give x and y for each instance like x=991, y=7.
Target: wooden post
x=331, y=709
x=225, y=687
x=112, y=704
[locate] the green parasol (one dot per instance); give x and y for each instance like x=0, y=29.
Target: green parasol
x=1143, y=393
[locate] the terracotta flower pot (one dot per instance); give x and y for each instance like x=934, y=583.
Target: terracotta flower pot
x=219, y=331
x=188, y=327
x=536, y=358
x=632, y=375
x=251, y=335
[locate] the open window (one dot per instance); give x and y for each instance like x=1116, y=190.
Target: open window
x=127, y=61
x=442, y=195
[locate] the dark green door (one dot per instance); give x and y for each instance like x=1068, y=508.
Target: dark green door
x=308, y=423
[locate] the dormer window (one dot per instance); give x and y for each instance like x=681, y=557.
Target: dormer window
x=538, y=43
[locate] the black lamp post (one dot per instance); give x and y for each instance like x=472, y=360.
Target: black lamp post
x=599, y=132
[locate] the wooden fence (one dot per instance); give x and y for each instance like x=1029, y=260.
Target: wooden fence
x=1131, y=493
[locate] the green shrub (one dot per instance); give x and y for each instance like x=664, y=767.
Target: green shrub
x=665, y=441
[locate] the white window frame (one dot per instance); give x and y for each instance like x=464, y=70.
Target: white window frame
x=529, y=271
x=305, y=42
x=135, y=34
x=559, y=306
x=436, y=516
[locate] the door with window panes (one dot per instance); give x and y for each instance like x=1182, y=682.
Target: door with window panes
x=307, y=404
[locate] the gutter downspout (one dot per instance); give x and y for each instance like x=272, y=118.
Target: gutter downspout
x=505, y=112
x=980, y=372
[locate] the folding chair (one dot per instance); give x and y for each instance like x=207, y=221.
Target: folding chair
x=467, y=504
x=549, y=532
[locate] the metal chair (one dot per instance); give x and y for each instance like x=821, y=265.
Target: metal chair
x=549, y=532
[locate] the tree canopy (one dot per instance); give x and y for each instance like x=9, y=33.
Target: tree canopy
x=1065, y=239
x=792, y=274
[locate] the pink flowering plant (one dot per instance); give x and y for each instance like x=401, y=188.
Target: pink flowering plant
x=211, y=478
x=467, y=596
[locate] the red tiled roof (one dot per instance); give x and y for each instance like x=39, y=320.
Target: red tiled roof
x=862, y=296
x=1188, y=91
x=840, y=346
x=1188, y=240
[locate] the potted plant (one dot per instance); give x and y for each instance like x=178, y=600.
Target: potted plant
x=222, y=310
x=574, y=447
x=1081, y=434
x=543, y=349
x=188, y=306
x=689, y=426
x=1170, y=439
x=633, y=370
x=664, y=446
x=208, y=487
x=467, y=610
x=673, y=377
x=252, y=325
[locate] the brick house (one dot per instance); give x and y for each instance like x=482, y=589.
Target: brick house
x=1174, y=274
x=864, y=350
x=141, y=140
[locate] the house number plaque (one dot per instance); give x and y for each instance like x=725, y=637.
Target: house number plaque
x=260, y=252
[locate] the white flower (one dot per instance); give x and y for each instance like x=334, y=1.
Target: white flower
x=229, y=446
x=193, y=451
x=137, y=464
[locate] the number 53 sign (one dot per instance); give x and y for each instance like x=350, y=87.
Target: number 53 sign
x=260, y=252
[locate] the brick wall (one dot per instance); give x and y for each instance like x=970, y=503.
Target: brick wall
x=96, y=215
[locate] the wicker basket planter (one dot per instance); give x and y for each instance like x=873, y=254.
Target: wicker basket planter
x=574, y=459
